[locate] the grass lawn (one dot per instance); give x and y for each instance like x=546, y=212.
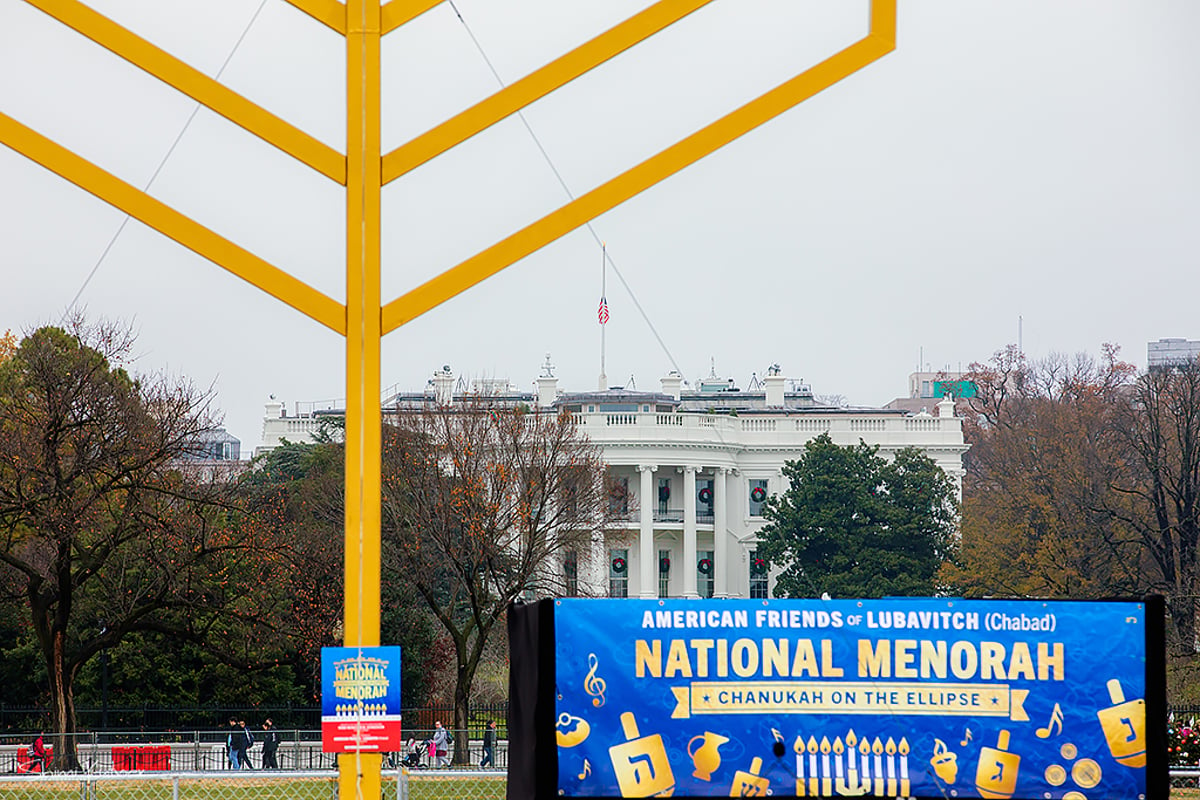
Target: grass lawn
x=421, y=787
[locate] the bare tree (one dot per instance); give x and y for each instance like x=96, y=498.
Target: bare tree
x=1038, y=495
x=101, y=533
x=1160, y=427
x=481, y=504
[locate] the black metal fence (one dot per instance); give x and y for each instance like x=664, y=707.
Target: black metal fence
x=28, y=720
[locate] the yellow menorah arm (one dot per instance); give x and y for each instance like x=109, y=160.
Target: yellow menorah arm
x=197, y=85
x=398, y=12
x=535, y=85
x=171, y=223
x=327, y=12
x=635, y=180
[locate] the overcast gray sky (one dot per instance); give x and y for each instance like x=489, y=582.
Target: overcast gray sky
x=1030, y=159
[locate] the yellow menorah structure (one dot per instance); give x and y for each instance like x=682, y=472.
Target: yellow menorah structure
x=364, y=169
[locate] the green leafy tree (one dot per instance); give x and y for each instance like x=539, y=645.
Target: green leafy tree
x=853, y=524
x=297, y=492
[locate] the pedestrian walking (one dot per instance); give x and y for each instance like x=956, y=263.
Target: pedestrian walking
x=441, y=743
x=489, y=743
x=270, y=742
x=37, y=760
x=233, y=744
x=247, y=742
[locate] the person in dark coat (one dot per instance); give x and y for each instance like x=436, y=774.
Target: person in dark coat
x=489, y=743
x=234, y=744
x=246, y=742
x=270, y=743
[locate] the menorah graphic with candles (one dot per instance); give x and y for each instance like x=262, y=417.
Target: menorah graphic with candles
x=851, y=767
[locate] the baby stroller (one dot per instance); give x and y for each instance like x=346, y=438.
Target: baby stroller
x=415, y=752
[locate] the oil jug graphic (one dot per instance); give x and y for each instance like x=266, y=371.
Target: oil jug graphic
x=996, y=775
x=640, y=763
x=750, y=784
x=1124, y=724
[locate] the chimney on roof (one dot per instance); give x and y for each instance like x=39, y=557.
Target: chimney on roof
x=547, y=384
x=945, y=408
x=774, y=381
x=671, y=384
x=443, y=386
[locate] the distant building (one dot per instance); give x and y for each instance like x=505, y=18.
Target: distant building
x=215, y=445
x=1166, y=353
x=698, y=464
x=927, y=389
x=213, y=455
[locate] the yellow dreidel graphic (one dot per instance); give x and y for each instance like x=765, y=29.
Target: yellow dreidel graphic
x=996, y=775
x=641, y=764
x=1124, y=725
x=750, y=784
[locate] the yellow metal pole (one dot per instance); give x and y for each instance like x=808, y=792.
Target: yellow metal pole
x=359, y=773
x=363, y=319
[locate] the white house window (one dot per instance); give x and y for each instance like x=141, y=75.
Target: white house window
x=704, y=499
x=758, y=496
x=704, y=573
x=664, y=573
x=571, y=573
x=618, y=573
x=758, y=576
x=664, y=495
x=618, y=497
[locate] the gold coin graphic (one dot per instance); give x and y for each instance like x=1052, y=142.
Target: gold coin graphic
x=1086, y=773
x=1074, y=796
x=1069, y=751
x=1056, y=775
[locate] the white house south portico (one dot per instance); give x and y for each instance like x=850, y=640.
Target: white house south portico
x=695, y=467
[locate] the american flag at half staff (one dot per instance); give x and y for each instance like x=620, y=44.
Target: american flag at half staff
x=602, y=314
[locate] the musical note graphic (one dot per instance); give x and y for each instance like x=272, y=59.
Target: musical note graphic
x=966, y=738
x=1056, y=720
x=592, y=685
x=587, y=769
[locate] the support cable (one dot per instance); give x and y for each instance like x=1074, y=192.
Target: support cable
x=567, y=190
x=108, y=247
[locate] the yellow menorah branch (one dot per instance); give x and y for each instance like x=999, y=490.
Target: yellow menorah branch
x=363, y=170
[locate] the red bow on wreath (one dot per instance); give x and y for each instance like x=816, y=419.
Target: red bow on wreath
x=758, y=494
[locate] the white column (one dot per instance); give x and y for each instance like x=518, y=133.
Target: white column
x=720, y=555
x=689, y=532
x=597, y=566
x=647, y=564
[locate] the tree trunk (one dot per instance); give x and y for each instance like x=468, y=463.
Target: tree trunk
x=1183, y=618
x=462, y=697
x=62, y=699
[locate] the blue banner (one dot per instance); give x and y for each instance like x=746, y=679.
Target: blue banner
x=360, y=699
x=904, y=697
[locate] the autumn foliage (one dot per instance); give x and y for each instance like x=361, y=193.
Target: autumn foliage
x=1083, y=480
x=481, y=501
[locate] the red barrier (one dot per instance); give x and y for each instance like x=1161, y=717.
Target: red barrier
x=124, y=758
x=153, y=757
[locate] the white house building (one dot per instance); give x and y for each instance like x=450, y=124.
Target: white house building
x=698, y=464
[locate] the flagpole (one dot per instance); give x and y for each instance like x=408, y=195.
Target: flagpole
x=603, y=312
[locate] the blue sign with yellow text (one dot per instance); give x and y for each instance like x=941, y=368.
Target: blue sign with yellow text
x=915, y=697
x=360, y=699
